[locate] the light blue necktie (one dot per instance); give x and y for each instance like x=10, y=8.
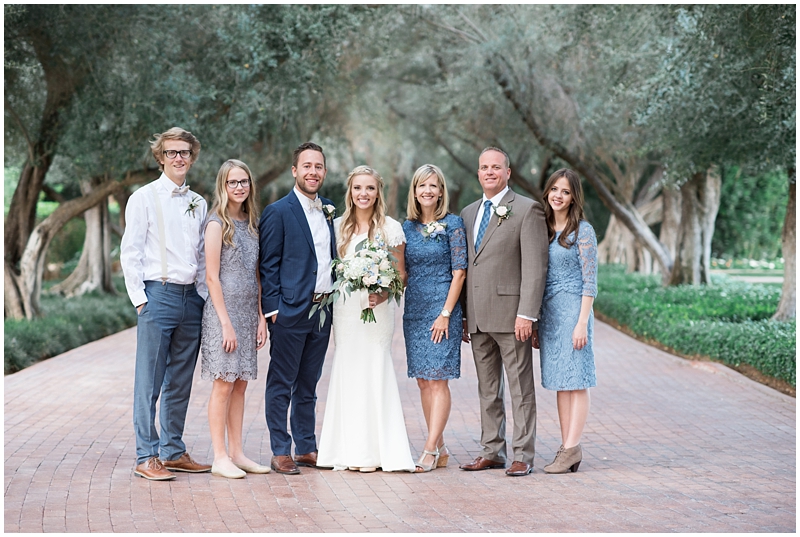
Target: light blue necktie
x=487, y=214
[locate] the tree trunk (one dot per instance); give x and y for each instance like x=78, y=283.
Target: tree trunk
x=29, y=282
x=700, y=198
x=626, y=213
x=787, y=307
x=671, y=220
x=94, y=267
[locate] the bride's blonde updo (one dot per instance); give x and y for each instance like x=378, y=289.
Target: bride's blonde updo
x=347, y=227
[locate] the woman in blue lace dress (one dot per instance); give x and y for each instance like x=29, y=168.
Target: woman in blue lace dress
x=436, y=262
x=565, y=333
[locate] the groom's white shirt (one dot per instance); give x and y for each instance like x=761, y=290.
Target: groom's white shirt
x=322, y=242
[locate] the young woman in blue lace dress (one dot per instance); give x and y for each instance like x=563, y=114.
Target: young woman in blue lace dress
x=565, y=333
x=436, y=262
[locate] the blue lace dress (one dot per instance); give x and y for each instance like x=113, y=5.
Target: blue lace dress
x=571, y=275
x=430, y=263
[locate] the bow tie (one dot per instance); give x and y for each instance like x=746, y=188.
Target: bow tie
x=316, y=204
x=180, y=190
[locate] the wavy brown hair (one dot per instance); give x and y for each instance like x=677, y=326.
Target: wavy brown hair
x=347, y=227
x=221, y=202
x=575, y=213
x=423, y=173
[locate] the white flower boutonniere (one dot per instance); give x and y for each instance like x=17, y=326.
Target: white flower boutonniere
x=329, y=211
x=194, y=204
x=434, y=230
x=502, y=212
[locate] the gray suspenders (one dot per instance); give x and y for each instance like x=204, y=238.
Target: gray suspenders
x=162, y=237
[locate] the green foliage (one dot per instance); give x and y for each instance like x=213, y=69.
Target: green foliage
x=68, y=323
x=728, y=321
x=751, y=214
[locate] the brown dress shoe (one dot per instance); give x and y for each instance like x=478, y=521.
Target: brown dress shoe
x=283, y=464
x=309, y=459
x=153, y=470
x=185, y=463
x=519, y=468
x=482, y=464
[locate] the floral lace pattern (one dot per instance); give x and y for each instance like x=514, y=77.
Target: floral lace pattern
x=238, y=270
x=430, y=265
x=571, y=274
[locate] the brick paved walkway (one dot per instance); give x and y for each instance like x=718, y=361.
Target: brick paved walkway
x=671, y=445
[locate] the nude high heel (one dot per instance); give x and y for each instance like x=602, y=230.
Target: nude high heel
x=431, y=466
x=444, y=456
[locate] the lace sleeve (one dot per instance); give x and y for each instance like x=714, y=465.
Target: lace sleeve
x=587, y=252
x=456, y=233
x=394, y=232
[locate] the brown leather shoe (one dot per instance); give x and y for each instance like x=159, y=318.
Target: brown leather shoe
x=153, y=470
x=482, y=464
x=519, y=468
x=309, y=459
x=185, y=463
x=283, y=464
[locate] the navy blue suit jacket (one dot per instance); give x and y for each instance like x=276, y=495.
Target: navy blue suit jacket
x=287, y=259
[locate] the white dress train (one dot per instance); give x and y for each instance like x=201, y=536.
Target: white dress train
x=364, y=424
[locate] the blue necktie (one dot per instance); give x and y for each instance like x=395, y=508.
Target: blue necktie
x=487, y=214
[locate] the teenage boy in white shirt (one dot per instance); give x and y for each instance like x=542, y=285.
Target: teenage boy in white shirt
x=163, y=262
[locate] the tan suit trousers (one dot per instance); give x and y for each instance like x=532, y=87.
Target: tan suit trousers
x=493, y=352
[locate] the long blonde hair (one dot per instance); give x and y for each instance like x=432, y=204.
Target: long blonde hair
x=220, y=206
x=413, y=210
x=347, y=227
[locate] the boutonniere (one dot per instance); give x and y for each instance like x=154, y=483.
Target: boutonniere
x=193, y=204
x=433, y=230
x=502, y=212
x=329, y=211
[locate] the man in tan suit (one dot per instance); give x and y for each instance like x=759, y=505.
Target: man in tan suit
x=507, y=266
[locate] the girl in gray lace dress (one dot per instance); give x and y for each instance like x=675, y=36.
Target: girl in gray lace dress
x=566, y=327
x=233, y=326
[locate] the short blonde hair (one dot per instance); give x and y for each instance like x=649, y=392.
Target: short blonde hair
x=413, y=210
x=175, y=133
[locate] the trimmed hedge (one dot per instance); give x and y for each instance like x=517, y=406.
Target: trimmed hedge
x=66, y=324
x=726, y=321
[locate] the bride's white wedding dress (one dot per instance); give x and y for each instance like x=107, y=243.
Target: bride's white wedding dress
x=363, y=425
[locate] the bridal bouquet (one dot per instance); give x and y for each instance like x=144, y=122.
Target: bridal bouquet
x=369, y=268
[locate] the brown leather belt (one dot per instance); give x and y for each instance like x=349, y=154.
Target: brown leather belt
x=319, y=297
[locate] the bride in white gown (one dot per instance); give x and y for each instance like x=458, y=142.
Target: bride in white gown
x=364, y=428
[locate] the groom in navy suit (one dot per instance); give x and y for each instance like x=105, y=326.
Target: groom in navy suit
x=297, y=249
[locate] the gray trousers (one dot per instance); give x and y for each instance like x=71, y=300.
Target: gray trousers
x=494, y=352
x=167, y=344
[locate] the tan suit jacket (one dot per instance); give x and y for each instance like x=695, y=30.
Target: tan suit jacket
x=506, y=276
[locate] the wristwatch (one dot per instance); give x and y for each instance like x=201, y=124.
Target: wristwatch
x=445, y=313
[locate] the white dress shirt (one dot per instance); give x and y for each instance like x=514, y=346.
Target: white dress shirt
x=322, y=242
x=495, y=202
x=140, y=253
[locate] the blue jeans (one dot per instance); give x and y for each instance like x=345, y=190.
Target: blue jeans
x=167, y=344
